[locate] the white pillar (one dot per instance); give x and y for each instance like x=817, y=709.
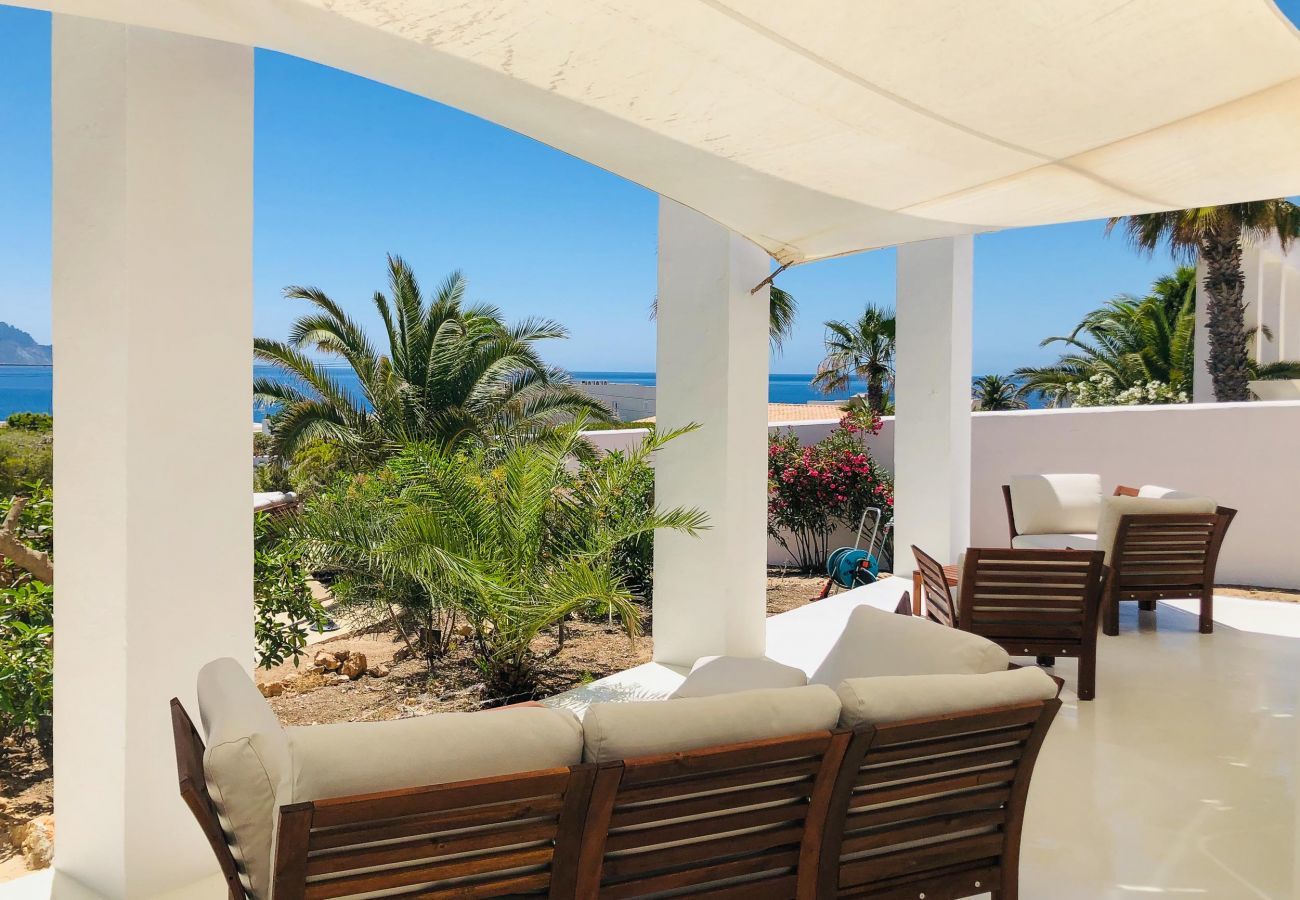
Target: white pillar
x=152, y=309
x=710, y=591
x=933, y=424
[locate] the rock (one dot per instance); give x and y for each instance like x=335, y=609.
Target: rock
x=465, y=631
x=355, y=665
x=271, y=688
x=326, y=662
x=339, y=678
x=379, y=670
x=36, y=841
x=342, y=655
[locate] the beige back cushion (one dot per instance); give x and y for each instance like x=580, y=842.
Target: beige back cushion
x=1115, y=507
x=1056, y=504
x=875, y=642
x=246, y=759
x=731, y=674
x=363, y=757
x=630, y=730
x=896, y=698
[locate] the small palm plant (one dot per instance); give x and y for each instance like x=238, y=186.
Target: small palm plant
x=506, y=539
x=860, y=349
x=991, y=393
x=453, y=372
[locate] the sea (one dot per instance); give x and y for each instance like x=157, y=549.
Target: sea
x=30, y=388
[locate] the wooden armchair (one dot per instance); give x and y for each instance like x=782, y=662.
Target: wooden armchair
x=1040, y=603
x=934, y=581
x=1164, y=557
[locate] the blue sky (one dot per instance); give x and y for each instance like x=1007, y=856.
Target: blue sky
x=348, y=170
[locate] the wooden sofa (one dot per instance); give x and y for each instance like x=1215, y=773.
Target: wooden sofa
x=931, y=806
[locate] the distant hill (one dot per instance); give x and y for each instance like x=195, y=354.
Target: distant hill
x=18, y=348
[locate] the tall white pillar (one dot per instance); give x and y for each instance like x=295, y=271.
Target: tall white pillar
x=152, y=309
x=710, y=591
x=932, y=427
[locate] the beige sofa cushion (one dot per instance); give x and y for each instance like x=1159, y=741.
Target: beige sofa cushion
x=895, y=698
x=731, y=674
x=363, y=757
x=246, y=759
x=1156, y=492
x=1056, y=504
x=875, y=642
x=1116, y=507
x=1054, y=542
x=628, y=730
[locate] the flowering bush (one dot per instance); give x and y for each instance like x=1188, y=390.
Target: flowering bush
x=1102, y=390
x=814, y=490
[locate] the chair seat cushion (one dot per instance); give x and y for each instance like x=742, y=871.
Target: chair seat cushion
x=1055, y=504
x=875, y=642
x=1156, y=492
x=731, y=674
x=1116, y=507
x=649, y=728
x=895, y=698
x=1080, y=541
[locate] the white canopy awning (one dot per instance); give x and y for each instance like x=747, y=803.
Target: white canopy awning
x=818, y=129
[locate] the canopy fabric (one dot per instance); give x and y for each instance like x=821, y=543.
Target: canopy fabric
x=818, y=129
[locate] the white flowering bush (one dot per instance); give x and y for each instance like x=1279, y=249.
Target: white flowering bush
x=1103, y=390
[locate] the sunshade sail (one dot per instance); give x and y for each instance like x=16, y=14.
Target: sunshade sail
x=822, y=128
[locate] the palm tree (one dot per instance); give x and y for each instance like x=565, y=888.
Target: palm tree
x=863, y=349
x=1131, y=341
x=453, y=372
x=781, y=311
x=506, y=542
x=991, y=393
x=1215, y=234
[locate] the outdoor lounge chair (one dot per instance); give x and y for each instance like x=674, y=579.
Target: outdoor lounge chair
x=939, y=604
x=1040, y=603
x=1053, y=512
x=878, y=802
x=1155, y=555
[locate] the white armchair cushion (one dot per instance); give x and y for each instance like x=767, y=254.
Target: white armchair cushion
x=1116, y=507
x=875, y=642
x=246, y=759
x=648, y=728
x=1056, y=504
x=363, y=757
x=895, y=698
x=731, y=674
x=1156, y=492
x=1054, y=542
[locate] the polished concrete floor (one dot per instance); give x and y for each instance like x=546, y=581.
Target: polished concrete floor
x=1179, y=780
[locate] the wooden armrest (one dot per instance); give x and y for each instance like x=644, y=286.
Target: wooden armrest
x=1124, y=490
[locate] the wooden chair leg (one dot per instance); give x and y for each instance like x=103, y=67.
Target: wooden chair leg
x=1088, y=675
x=1147, y=605
x=1207, y=611
x=1047, y=661
x=1110, y=615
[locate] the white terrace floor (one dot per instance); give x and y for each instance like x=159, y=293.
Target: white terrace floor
x=1177, y=781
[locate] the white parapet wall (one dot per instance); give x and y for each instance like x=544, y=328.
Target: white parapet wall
x=1244, y=455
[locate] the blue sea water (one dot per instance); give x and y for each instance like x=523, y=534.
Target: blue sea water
x=26, y=389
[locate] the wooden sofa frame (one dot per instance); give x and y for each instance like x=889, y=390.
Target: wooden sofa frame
x=928, y=807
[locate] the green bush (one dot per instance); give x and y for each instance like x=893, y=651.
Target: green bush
x=27, y=625
x=25, y=457
x=633, y=558
x=283, y=603
x=27, y=421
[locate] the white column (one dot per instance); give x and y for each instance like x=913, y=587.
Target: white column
x=932, y=427
x=710, y=591
x=152, y=308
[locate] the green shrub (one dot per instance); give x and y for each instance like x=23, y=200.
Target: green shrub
x=25, y=457
x=633, y=558
x=26, y=657
x=28, y=421
x=283, y=603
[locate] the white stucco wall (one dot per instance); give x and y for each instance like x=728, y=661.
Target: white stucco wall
x=1244, y=455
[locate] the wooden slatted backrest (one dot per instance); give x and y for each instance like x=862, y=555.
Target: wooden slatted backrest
x=933, y=807
x=511, y=835
x=194, y=791
x=743, y=820
x=940, y=605
x=1168, y=555
x=1032, y=602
